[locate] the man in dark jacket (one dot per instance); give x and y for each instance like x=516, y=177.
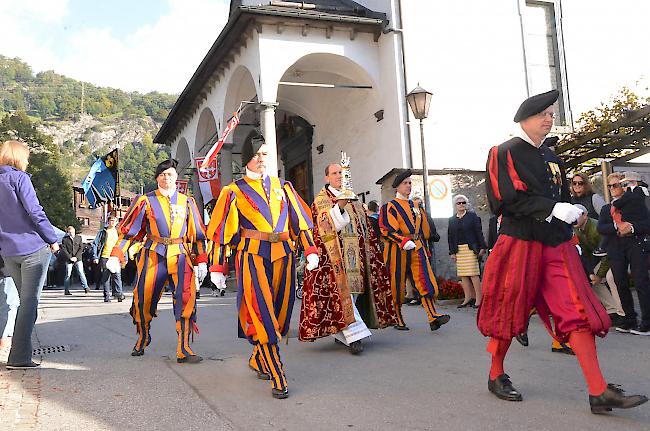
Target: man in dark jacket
x=623, y=251
x=72, y=249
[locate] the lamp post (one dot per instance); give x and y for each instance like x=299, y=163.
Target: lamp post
x=419, y=100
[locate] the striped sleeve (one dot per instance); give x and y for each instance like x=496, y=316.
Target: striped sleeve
x=389, y=225
x=300, y=220
x=131, y=228
x=196, y=231
x=224, y=224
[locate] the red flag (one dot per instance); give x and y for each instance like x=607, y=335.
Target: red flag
x=209, y=180
x=212, y=154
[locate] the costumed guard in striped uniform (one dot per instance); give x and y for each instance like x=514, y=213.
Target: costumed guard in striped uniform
x=351, y=273
x=261, y=217
x=170, y=225
x=534, y=263
x=404, y=228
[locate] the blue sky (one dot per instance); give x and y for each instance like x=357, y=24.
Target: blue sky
x=141, y=45
x=123, y=17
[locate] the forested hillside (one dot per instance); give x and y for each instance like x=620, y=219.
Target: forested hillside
x=50, y=96
x=109, y=118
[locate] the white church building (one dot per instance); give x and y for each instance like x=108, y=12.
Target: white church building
x=332, y=75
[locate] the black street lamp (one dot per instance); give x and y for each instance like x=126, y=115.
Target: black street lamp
x=419, y=100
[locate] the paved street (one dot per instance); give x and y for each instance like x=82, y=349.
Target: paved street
x=415, y=380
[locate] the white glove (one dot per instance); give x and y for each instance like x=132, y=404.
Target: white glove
x=312, y=261
x=566, y=212
x=201, y=271
x=218, y=279
x=410, y=245
x=113, y=264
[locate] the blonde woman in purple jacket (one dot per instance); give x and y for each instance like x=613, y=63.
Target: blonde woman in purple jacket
x=27, y=239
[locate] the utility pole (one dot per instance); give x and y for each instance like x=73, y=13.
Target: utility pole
x=83, y=93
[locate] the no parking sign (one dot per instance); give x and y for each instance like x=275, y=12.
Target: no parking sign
x=439, y=189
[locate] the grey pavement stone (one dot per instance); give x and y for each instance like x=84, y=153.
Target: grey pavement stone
x=415, y=380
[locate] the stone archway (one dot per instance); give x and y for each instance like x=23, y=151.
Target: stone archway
x=184, y=159
x=241, y=87
x=338, y=99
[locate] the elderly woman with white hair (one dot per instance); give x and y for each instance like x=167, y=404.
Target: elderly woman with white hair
x=466, y=245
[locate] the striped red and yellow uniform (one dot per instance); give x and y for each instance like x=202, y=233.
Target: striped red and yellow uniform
x=265, y=270
x=153, y=216
x=401, y=221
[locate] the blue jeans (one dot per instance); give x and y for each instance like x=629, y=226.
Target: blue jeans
x=9, y=303
x=115, y=280
x=29, y=273
x=79, y=266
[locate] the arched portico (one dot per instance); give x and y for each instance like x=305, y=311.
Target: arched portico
x=326, y=104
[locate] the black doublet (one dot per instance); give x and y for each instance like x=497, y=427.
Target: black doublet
x=523, y=184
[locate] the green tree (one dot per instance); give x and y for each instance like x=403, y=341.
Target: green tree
x=52, y=185
x=139, y=162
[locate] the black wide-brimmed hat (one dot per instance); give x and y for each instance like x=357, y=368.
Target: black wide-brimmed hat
x=401, y=177
x=536, y=104
x=252, y=144
x=164, y=165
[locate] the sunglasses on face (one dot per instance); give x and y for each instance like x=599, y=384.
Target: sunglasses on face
x=461, y=203
x=613, y=186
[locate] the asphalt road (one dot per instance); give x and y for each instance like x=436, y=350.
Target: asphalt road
x=415, y=380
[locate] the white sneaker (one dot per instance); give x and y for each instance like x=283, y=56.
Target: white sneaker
x=641, y=330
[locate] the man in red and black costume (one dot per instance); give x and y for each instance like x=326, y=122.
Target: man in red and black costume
x=534, y=263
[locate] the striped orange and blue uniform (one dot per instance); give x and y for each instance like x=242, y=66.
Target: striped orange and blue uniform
x=265, y=270
x=152, y=216
x=401, y=221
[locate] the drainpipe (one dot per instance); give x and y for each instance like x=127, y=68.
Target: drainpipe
x=523, y=46
x=405, y=107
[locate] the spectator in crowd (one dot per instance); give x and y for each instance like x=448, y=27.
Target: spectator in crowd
x=583, y=193
x=373, y=216
x=90, y=267
x=466, y=246
x=71, y=253
x=623, y=250
x=9, y=303
x=27, y=239
x=104, y=242
x=586, y=231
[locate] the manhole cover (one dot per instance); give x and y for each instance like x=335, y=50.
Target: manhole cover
x=46, y=350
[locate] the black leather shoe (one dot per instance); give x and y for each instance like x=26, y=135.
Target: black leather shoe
x=67, y=293
x=280, y=393
x=192, y=359
x=440, y=320
x=522, y=339
x=260, y=374
x=356, y=347
x=86, y=290
x=26, y=366
x=136, y=352
x=469, y=303
x=614, y=398
x=401, y=327
x=120, y=298
x=502, y=388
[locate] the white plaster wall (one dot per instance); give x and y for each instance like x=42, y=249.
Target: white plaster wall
x=248, y=58
x=344, y=119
